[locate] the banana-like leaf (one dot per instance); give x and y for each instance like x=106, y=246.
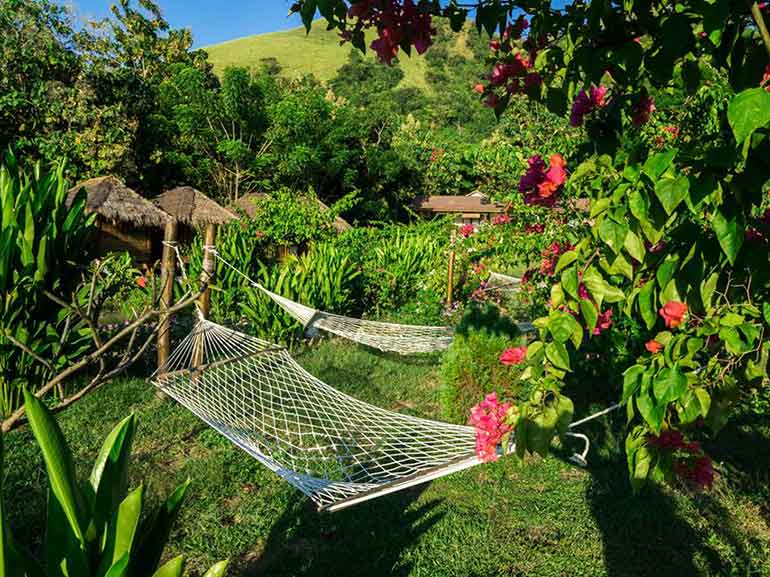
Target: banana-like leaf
x=64, y=552
x=217, y=570
x=58, y=462
x=155, y=534
x=173, y=568
x=109, y=476
x=122, y=530
x=118, y=568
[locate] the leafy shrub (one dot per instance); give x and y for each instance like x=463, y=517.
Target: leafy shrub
x=42, y=242
x=96, y=528
x=471, y=367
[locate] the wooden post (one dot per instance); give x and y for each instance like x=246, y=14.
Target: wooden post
x=209, y=238
x=204, y=303
x=167, y=272
x=450, y=278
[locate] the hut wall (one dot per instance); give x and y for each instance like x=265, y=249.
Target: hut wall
x=138, y=241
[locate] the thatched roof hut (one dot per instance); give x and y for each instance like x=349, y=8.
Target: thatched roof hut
x=113, y=201
x=192, y=208
x=125, y=221
x=248, y=205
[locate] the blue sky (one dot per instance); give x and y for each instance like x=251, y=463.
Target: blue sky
x=211, y=21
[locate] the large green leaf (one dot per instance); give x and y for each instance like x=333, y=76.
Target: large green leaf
x=558, y=355
x=730, y=233
x=659, y=163
x=748, y=111
x=173, y=568
x=217, y=570
x=58, y=462
x=155, y=534
x=669, y=384
x=613, y=233
x=122, y=530
x=671, y=192
x=109, y=476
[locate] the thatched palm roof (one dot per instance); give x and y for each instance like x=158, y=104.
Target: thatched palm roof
x=247, y=204
x=192, y=207
x=111, y=199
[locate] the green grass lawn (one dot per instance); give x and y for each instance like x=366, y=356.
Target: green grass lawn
x=318, y=53
x=537, y=518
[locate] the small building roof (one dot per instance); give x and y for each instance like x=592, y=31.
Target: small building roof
x=247, y=204
x=108, y=197
x=457, y=204
x=191, y=207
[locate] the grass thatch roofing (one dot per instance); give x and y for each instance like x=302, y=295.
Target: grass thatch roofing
x=111, y=199
x=247, y=205
x=192, y=207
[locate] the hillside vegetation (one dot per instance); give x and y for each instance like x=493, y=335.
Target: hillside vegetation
x=298, y=53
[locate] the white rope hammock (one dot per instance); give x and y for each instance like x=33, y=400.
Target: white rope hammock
x=337, y=450
x=388, y=337
x=503, y=283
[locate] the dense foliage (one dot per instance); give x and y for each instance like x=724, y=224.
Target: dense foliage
x=98, y=527
x=674, y=243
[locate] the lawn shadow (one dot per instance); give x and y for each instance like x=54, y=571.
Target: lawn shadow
x=367, y=539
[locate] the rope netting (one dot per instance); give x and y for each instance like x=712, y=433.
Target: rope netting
x=388, y=337
x=503, y=283
x=336, y=449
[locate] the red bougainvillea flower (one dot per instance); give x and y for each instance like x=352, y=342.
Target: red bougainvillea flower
x=643, y=110
x=604, y=322
x=515, y=30
x=698, y=473
x=551, y=257
x=586, y=102
x=494, y=45
x=672, y=130
x=753, y=235
x=583, y=292
x=540, y=185
x=653, y=346
x=532, y=80
x=467, y=230
x=766, y=78
x=492, y=100
x=670, y=439
x=488, y=417
x=395, y=22
x=141, y=281
x=673, y=312
x=514, y=355
x=536, y=228
x=479, y=88
x=501, y=219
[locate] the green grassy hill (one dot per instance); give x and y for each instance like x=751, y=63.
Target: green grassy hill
x=298, y=53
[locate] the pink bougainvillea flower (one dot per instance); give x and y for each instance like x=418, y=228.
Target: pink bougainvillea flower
x=555, y=176
x=673, y=313
x=488, y=418
x=467, y=230
x=514, y=355
x=698, y=474
x=386, y=46
x=583, y=292
x=604, y=322
x=501, y=219
x=494, y=45
x=551, y=256
x=753, y=235
x=540, y=185
x=141, y=281
x=536, y=228
x=766, y=78
x=670, y=439
x=586, y=102
x=479, y=88
x=532, y=80
x=653, y=346
x=643, y=110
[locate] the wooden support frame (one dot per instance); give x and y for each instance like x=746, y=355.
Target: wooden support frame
x=168, y=272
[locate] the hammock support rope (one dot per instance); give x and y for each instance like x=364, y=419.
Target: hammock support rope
x=387, y=337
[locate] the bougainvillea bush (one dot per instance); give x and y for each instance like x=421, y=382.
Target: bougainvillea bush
x=678, y=242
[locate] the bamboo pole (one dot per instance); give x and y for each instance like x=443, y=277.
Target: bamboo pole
x=167, y=273
x=450, y=277
x=204, y=303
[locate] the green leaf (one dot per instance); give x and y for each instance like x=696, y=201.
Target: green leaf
x=671, y=192
x=562, y=326
x=647, y=304
x=652, y=413
x=122, y=530
x=766, y=311
x=565, y=260
x=634, y=246
x=730, y=233
x=565, y=409
x=58, y=462
x=118, y=568
x=590, y=314
x=109, y=476
x=155, y=534
x=707, y=289
x=307, y=13
x=173, y=568
x=748, y=111
x=659, y=163
x=631, y=381
x=613, y=233
x=569, y=281
x=669, y=384
x=217, y=570
x=558, y=355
